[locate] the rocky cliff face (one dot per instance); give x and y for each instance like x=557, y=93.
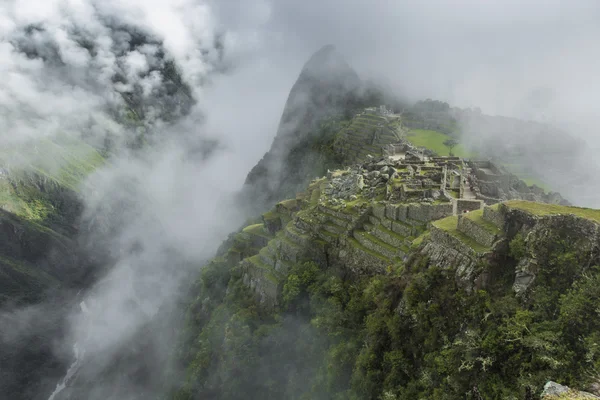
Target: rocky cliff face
x=42, y=262
x=42, y=267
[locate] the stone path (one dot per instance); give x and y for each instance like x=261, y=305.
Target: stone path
x=468, y=193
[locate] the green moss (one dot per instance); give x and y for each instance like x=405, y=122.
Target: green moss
x=356, y=244
x=543, y=209
x=271, y=215
x=449, y=224
x=378, y=241
x=391, y=233
x=290, y=204
x=477, y=217
x=257, y=230
x=419, y=240
x=336, y=220
x=327, y=233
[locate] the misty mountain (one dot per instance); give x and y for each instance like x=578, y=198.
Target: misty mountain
x=327, y=87
x=362, y=257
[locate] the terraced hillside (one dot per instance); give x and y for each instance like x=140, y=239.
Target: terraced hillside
x=367, y=133
x=370, y=288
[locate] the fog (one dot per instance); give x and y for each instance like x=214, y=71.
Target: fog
x=159, y=211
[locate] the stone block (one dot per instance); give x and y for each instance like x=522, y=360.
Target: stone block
x=391, y=210
x=391, y=239
x=463, y=205
x=379, y=210
x=402, y=229
x=387, y=223
x=402, y=213
x=419, y=212
x=493, y=216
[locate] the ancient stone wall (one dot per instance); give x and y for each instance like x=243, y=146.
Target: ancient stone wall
x=257, y=280
x=494, y=216
x=489, y=200
x=476, y=231
x=449, y=241
x=429, y=212
x=463, y=205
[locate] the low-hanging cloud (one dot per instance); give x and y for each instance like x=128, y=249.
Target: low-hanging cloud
x=69, y=66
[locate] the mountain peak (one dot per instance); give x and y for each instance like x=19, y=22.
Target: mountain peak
x=328, y=63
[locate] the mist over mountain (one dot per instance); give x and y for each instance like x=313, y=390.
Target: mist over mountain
x=326, y=87
x=140, y=138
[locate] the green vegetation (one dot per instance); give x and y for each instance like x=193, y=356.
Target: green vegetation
x=36, y=178
x=450, y=144
x=356, y=244
x=411, y=334
x=449, y=224
x=312, y=156
x=258, y=230
x=543, y=209
x=419, y=240
x=63, y=160
x=477, y=217
x=524, y=173
x=434, y=141
x=24, y=200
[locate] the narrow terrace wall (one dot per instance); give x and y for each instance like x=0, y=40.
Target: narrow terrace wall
x=464, y=205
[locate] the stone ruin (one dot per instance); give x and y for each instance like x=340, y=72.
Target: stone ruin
x=493, y=184
x=405, y=147
x=405, y=180
x=471, y=180
x=344, y=185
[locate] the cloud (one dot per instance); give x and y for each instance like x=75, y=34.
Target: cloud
x=75, y=68
x=66, y=64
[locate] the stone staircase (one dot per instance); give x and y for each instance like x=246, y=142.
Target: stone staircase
x=333, y=223
x=388, y=233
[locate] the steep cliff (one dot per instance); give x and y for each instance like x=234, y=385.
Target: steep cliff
x=326, y=92
x=42, y=264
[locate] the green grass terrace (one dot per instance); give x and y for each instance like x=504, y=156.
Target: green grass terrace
x=543, y=209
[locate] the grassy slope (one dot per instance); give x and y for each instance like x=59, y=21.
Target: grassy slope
x=542, y=209
x=37, y=185
x=64, y=162
x=524, y=173
x=435, y=141
x=450, y=225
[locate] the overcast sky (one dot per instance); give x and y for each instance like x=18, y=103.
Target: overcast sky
x=501, y=56
x=529, y=59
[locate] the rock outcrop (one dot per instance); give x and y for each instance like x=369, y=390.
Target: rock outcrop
x=553, y=390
